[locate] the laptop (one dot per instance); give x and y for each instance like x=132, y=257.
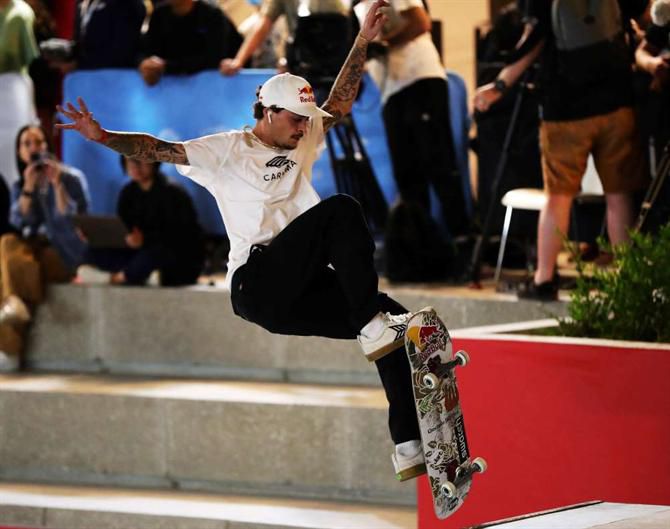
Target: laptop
x=102, y=231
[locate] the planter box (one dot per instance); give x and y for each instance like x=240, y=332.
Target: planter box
x=560, y=421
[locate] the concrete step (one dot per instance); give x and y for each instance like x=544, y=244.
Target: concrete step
x=193, y=332
x=287, y=440
x=59, y=507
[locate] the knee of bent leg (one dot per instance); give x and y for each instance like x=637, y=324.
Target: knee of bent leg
x=344, y=203
x=8, y=242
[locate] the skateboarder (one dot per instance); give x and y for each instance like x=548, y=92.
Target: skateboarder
x=297, y=265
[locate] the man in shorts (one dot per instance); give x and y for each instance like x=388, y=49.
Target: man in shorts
x=580, y=116
x=297, y=265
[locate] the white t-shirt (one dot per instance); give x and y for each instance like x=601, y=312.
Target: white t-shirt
x=259, y=189
x=403, y=65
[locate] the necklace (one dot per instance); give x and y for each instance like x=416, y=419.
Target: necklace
x=248, y=130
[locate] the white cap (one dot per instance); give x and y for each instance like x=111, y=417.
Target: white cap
x=292, y=93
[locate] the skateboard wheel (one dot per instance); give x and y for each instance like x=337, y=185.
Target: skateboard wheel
x=431, y=380
x=480, y=464
x=463, y=357
x=448, y=489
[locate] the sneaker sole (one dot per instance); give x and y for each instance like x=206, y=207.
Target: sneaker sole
x=411, y=473
x=380, y=353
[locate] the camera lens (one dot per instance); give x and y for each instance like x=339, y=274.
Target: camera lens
x=38, y=158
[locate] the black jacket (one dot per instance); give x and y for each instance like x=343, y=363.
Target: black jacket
x=561, y=97
x=191, y=43
x=165, y=215
x=111, y=39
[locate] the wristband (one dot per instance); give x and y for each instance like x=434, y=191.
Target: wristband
x=28, y=194
x=359, y=36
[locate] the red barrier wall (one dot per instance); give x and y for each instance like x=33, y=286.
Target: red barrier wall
x=559, y=424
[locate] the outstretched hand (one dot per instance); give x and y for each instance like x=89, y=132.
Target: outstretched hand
x=374, y=20
x=83, y=121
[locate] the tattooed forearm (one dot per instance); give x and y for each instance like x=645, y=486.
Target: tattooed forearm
x=145, y=147
x=346, y=85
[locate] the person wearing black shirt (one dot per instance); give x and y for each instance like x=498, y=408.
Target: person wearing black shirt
x=185, y=37
x=586, y=109
x=652, y=56
x=164, y=233
x=107, y=34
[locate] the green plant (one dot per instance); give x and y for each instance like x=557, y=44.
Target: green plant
x=628, y=301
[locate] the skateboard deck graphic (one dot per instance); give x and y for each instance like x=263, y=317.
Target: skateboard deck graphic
x=438, y=408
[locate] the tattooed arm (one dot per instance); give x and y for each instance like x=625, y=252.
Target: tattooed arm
x=137, y=146
x=145, y=147
x=345, y=88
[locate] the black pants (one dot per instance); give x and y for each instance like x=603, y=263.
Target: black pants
x=287, y=287
x=422, y=150
x=177, y=268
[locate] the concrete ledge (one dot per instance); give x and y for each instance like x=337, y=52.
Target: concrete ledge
x=53, y=507
x=593, y=515
x=193, y=332
x=233, y=437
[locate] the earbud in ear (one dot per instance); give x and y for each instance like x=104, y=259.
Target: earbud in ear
x=270, y=117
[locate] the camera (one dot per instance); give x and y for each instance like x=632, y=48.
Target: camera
x=39, y=159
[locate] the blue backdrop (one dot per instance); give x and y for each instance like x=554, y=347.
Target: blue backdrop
x=184, y=107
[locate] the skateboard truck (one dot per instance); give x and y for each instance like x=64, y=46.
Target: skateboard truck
x=433, y=379
x=464, y=472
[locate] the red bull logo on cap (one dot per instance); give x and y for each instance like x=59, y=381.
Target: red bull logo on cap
x=306, y=94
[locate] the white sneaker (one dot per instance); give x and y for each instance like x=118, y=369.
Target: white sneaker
x=8, y=363
x=14, y=310
x=90, y=275
x=154, y=279
x=391, y=336
x=408, y=460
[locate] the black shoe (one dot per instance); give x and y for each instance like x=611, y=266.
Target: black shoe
x=547, y=291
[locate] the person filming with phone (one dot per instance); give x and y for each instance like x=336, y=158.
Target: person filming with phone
x=46, y=248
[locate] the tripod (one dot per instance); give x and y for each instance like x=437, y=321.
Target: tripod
x=350, y=163
x=353, y=172
x=317, y=50
x=474, y=271
x=653, y=192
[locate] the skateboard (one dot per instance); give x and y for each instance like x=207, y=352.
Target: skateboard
x=445, y=445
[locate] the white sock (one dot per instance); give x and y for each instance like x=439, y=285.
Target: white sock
x=408, y=448
x=374, y=328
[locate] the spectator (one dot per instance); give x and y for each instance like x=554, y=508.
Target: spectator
x=164, y=233
x=17, y=51
x=46, y=80
x=107, y=34
x=245, y=15
x=271, y=10
x=5, y=226
x=185, y=37
x=586, y=109
x=48, y=249
x=415, y=98
x=652, y=56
